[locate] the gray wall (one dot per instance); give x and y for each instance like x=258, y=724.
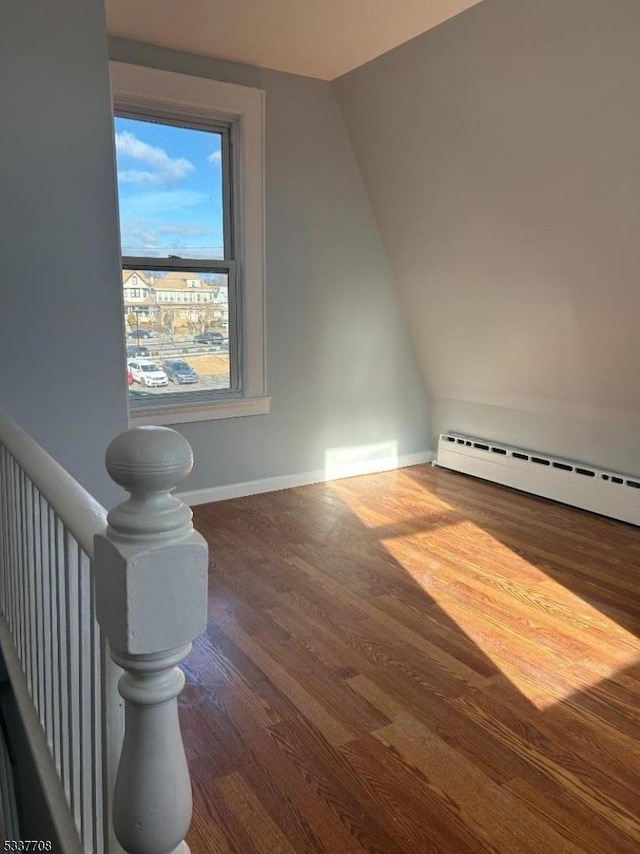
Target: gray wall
x=341, y=368
x=501, y=155
x=61, y=346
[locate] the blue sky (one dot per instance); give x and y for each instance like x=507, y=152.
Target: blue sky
x=170, y=190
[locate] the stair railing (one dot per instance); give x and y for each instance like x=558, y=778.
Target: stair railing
x=83, y=597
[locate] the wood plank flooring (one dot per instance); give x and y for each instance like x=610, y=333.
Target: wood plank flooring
x=415, y=662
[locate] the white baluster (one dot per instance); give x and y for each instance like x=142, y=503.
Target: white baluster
x=151, y=599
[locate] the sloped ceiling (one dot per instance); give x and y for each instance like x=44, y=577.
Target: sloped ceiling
x=505, y=181
x=318, y=39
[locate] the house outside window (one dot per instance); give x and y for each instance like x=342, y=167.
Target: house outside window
x=190, y=183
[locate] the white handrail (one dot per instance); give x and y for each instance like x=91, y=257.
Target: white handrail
x=82, y=515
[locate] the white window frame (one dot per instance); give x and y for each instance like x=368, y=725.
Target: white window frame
x=195, y=98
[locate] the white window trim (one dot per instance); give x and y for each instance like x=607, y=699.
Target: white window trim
x=134, y=86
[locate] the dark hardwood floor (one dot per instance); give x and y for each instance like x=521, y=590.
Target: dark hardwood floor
x=414, y=662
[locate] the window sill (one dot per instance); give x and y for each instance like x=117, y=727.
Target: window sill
x=183, y=413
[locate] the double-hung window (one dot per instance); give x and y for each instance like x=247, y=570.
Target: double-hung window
x=191, y=202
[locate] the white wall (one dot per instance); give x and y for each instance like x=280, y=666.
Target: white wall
x=61, y=346
x=341, y=368
x=501, y=155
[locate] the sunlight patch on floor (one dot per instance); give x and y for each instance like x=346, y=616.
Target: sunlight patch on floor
x=514, y=612
x=401, y=502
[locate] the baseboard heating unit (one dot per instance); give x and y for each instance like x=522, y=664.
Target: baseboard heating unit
x=578, y=484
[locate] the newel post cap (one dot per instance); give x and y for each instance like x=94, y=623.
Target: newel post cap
x=149, y=462
x=149, y=459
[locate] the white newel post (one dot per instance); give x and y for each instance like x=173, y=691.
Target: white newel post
x=151, y=602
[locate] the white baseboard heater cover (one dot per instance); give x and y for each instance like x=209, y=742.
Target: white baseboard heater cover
x=578, y=484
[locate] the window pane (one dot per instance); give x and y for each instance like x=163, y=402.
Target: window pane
x=170, y=190
x=177, y=332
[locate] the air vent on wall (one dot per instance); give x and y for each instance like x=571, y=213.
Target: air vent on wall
x=608, y=493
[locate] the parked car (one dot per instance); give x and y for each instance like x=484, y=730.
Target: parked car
x=138, y=334
x=179, y=371
x=210, y=339
x=147, y=373
x=137, y=351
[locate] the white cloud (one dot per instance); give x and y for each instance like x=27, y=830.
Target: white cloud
x=135, y=176
x=183, y=228
x=215, y=157
x=143, y=236
x=168, y=170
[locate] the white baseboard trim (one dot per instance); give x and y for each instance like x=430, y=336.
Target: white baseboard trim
x=287, y=481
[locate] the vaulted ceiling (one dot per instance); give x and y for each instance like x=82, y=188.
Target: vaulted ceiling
x=318, y=39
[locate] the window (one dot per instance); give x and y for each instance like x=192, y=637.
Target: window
x=190, y=183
